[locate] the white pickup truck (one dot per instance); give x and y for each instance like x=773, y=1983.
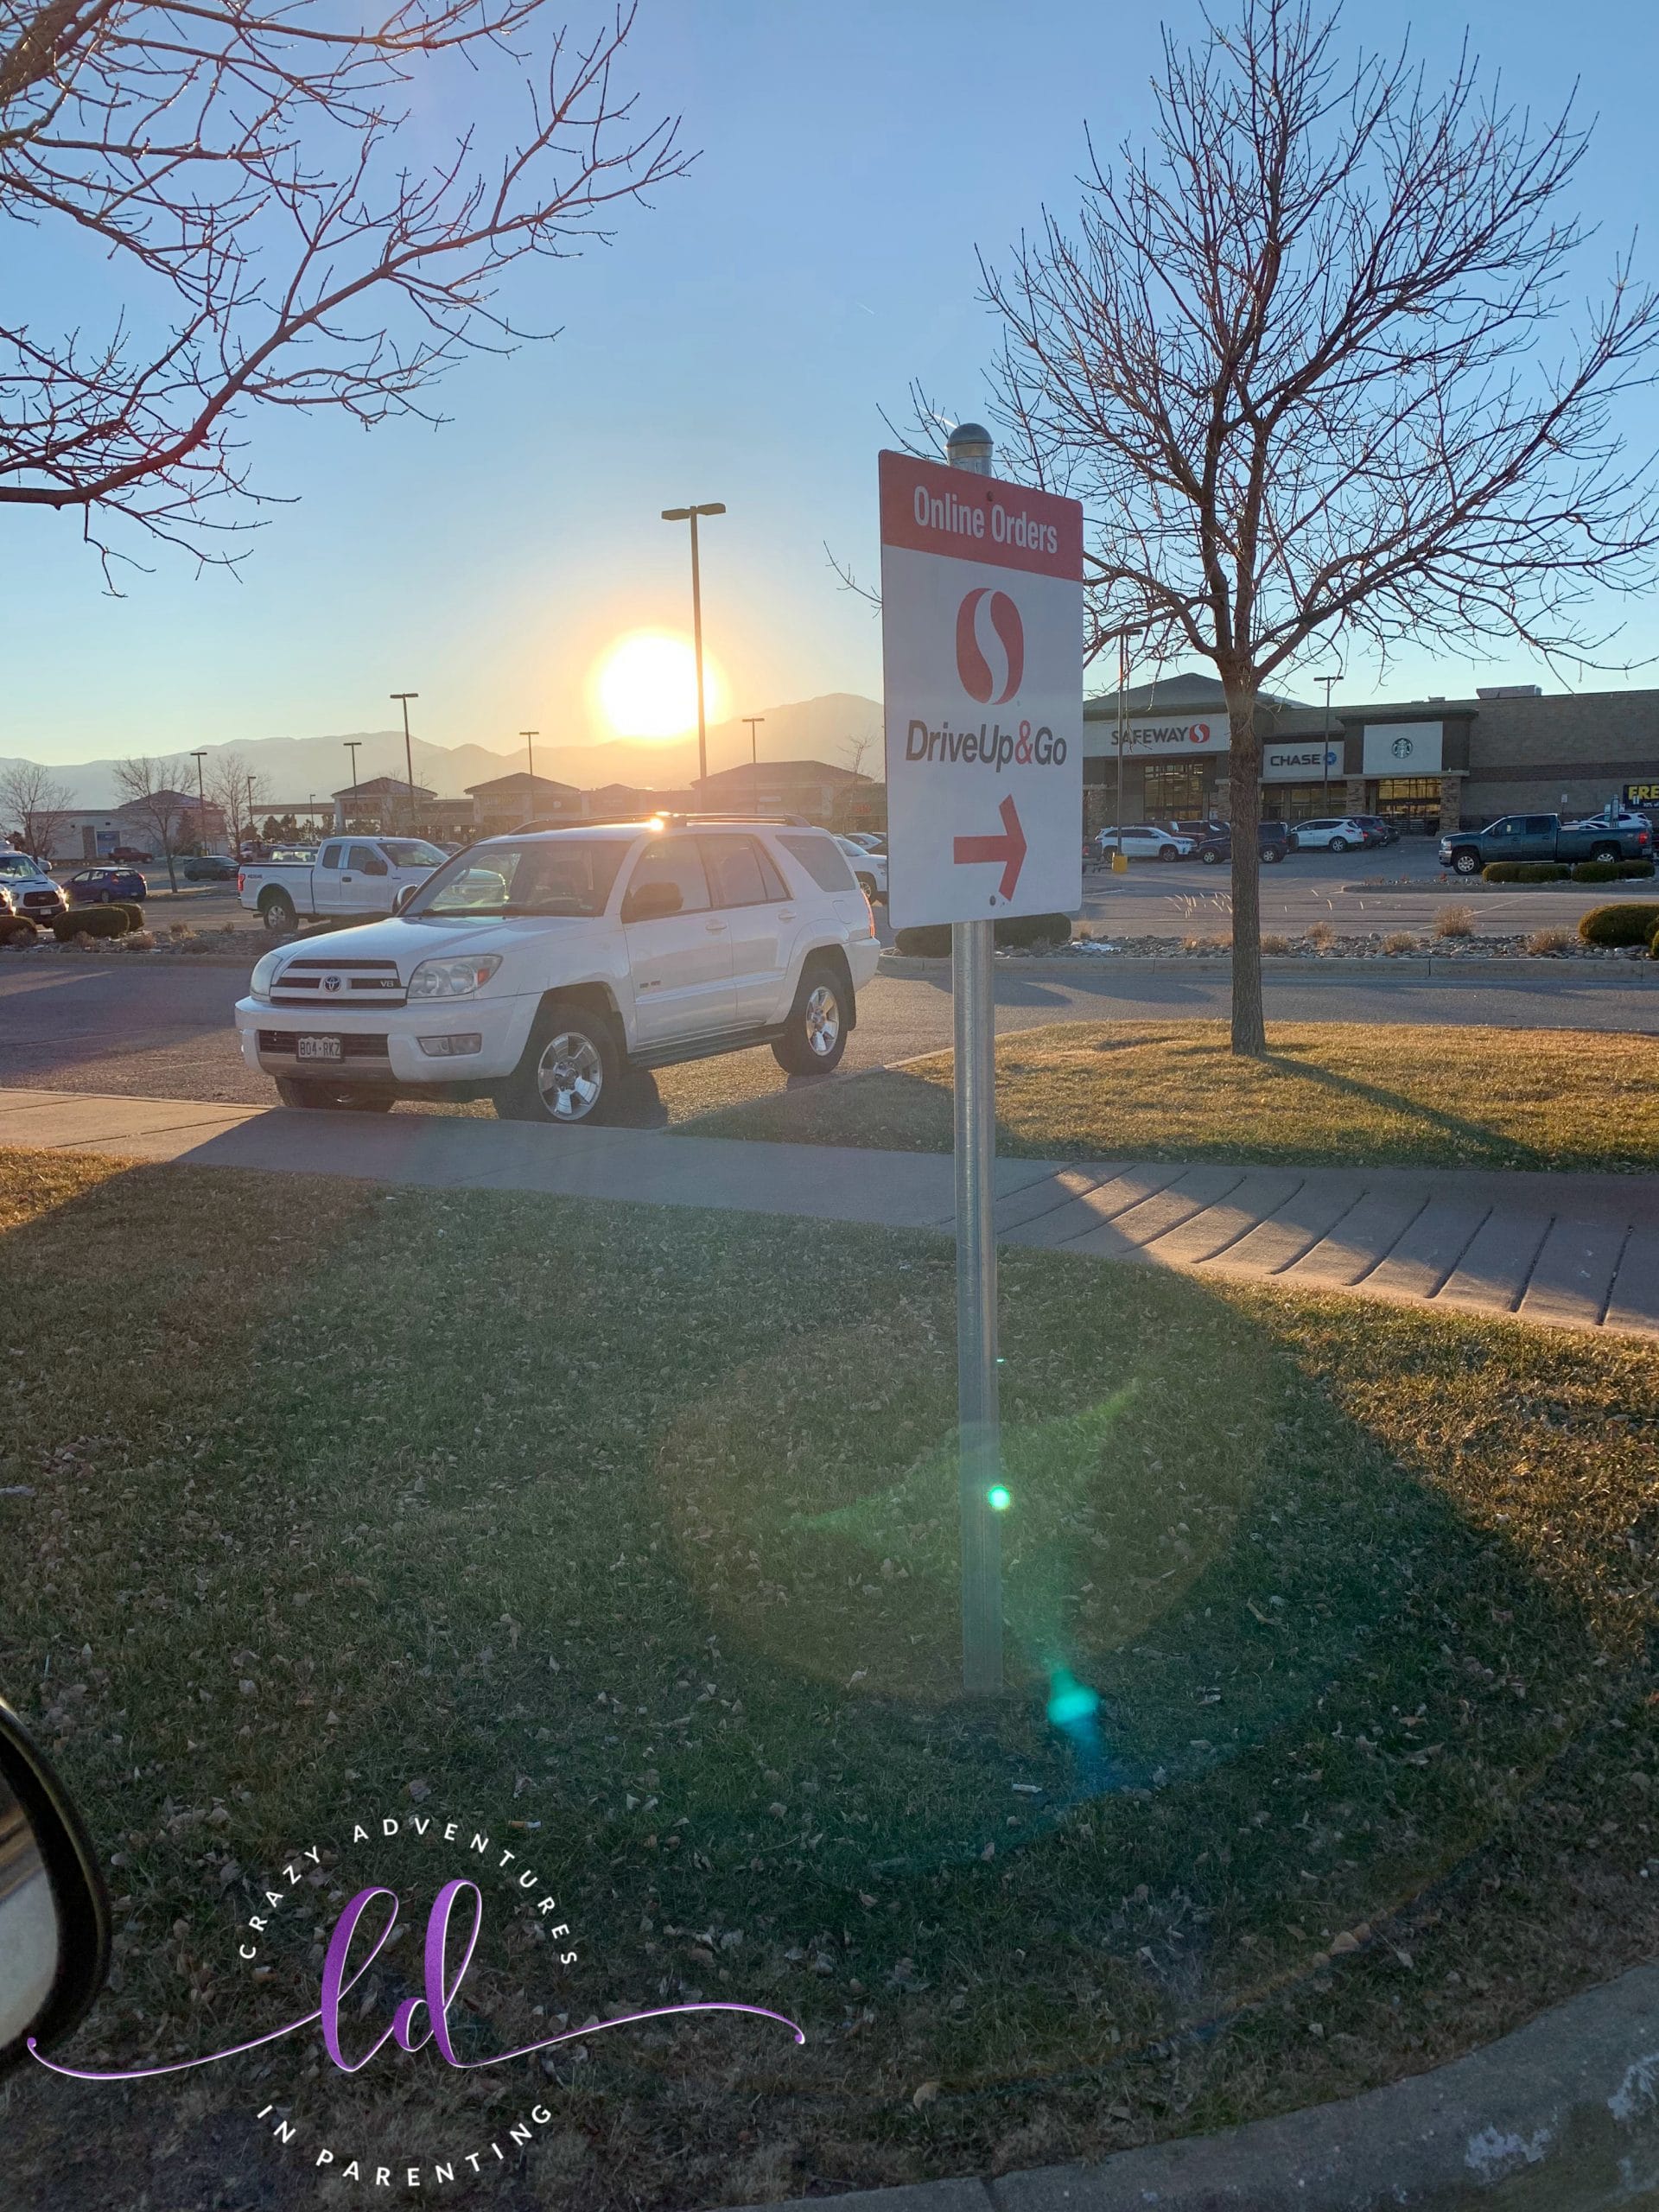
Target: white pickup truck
x=351, y=877
x=535, y=969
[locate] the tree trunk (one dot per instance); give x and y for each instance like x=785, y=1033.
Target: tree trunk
x=1244, y=790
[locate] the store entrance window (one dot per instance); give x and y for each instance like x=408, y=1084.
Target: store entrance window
x=1174, y=792
x=1303, y=802
x=1412, y=801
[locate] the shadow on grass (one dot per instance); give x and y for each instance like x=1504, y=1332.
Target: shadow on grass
x=1483, y=1147
x=633, y=1534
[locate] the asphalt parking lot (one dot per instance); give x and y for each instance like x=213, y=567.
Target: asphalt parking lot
x=164, y=1030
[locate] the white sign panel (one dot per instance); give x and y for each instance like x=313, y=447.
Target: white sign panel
x=1164, y=737
x=981, y=645
x=1315, y=762
x=1402, y=748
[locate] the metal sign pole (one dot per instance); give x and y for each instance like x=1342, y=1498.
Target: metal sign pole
x=978, y=1414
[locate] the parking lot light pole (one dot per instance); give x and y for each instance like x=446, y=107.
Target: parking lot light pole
x=980, y=1491
x=690, y=514
x=529, y=737
x=351, y=744
x=754, y=722
x=198, y=756
x=408, y=757
x=1324, y=749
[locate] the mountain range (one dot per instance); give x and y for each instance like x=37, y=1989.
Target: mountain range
x=292, y=769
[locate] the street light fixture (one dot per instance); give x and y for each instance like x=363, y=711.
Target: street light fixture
x=529, y=737
x=690, y=514
x=1324, y=749
x=408, y=757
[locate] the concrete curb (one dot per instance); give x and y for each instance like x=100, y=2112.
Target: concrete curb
x=243, y=960
x=907, y=967
x=1562, y=2114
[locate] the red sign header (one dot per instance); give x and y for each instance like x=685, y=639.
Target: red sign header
x=927, y=507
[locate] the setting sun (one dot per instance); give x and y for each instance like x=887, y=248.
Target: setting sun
x=647, y=685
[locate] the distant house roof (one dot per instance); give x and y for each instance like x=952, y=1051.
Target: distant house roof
x=816, y=772
x=635, y=798
x=184, y=800
x=384, y=787
x=519, y=785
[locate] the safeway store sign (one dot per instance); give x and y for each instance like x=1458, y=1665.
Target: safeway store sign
x=982, y=639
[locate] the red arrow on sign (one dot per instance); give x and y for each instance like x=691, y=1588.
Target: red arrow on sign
x=1009, y=848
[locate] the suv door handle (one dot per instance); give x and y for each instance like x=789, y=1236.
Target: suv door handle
x=715, y=928
x=785, y=913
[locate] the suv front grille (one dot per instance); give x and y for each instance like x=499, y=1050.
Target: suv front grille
x=305, y=982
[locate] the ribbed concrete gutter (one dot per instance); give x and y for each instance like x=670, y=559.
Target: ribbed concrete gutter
x=1562, y=2116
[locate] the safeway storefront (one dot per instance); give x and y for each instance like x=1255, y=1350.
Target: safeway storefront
x=1430, y=764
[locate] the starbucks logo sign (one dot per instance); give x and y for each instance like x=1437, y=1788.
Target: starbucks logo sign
x=1402, y=748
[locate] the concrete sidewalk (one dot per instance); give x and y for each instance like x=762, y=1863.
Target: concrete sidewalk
x=1569, y=1251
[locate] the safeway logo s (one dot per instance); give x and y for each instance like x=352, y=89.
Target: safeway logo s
x=990, y=647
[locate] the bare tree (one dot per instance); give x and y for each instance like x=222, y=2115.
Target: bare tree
x=155, y=803
x=1301, y=362
x=236, y=790
x=247, y=169
x=854, y=751
x=38, y=803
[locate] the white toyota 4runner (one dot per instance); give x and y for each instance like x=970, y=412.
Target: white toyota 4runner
x=533, y=969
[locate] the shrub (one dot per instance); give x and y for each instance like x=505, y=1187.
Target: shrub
x=1544, y=942
x=1455, y=921
x=1632, y=922
x=132, y=910
x=138, y=941
x=91, y=921
x=1524, y=871
x=932, y=941
x=1633, y=870
x=1321, y=937
x=1206, y=944
x=1398, y=941
x=17, y=929
x=1272, y=942
x=1595, y=872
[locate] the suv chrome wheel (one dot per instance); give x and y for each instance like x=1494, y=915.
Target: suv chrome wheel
x=822, y=1013
x=569, y=1075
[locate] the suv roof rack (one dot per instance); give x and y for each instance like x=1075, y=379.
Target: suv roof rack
x=660, y=814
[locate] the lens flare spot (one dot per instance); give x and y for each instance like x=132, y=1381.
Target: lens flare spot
x=1072, y=1704
x=999, y=1498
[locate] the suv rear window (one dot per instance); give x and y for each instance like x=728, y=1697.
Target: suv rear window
x=823, y=859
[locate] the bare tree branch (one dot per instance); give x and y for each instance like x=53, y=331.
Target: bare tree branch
x=36, y=805
x=249, y=171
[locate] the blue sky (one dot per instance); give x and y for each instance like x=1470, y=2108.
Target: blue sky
x=734, y=343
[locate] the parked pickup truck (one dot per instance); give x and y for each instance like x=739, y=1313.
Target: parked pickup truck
x=1542, y=837
x=351, y=879
x=536, y=969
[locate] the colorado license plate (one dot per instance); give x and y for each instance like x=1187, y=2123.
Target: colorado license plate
x=318, y=1048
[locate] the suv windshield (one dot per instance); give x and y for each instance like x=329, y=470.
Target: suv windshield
x=568, y=875
x=17, y=864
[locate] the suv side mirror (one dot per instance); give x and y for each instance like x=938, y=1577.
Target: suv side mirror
x=650, y=901
x=54, y=1913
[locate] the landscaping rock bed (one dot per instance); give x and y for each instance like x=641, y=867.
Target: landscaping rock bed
x=1383, y=945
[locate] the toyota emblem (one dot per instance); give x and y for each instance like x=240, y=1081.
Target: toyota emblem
x=331, y=983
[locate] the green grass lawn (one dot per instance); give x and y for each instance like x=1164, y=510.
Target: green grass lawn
x=637, y=1528
x=1328, y=1094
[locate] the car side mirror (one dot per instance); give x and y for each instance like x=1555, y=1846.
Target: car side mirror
x=375, y=867
x=402, y=896
x=54, y=1911
x=651, y=901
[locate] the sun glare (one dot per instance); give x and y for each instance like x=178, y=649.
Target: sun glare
x=647, y=685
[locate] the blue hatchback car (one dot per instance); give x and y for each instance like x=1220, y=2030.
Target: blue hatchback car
x=97, y=887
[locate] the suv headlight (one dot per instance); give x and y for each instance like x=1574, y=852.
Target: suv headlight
x=453, y=979
x=265, y=971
